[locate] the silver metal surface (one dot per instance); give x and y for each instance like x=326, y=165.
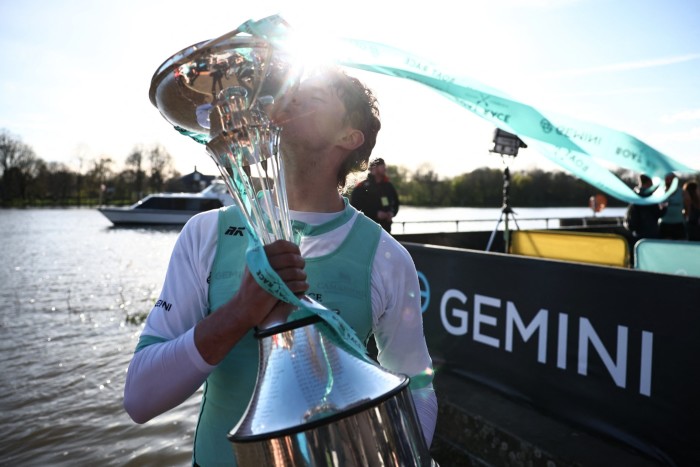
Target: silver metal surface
x=378, y=436
x=304, y=376
x=221, y=93
x=316, y=404
x=186, y=86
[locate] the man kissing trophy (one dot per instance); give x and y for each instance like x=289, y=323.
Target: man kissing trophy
x=318, y=398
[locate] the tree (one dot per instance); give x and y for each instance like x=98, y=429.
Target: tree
x=398, y=175
x=98, y=176
x=161, y=165
x=135, y=162
x=56, y=180
x=482, y=187
x=20, y=166
x=426, y=188
x=9, y=148
x=81, y=155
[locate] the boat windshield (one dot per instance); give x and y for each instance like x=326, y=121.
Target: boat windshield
x=180, y=204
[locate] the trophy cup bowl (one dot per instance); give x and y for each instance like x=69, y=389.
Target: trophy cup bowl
x=315, y=402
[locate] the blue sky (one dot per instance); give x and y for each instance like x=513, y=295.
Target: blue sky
x=76, y=73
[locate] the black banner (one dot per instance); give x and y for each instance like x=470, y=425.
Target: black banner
x=612, y=349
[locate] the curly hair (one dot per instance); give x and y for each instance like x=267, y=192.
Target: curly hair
x=362, y=112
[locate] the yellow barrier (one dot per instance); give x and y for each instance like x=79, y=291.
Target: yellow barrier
x=582, y=247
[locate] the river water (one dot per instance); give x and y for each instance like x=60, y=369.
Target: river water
x=70, y=284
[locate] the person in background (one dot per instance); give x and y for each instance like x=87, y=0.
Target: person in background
x=642, y=220
x=691, y=201
x=671, y=223
x=376, y=196
x=201, y=328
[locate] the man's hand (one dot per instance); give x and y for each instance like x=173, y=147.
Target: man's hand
x=285, y=258
x=216, y=335
x=385, y=215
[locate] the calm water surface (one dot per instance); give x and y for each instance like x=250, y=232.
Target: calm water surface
x=68, y=282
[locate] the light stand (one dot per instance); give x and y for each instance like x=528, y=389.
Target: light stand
x=505, y=144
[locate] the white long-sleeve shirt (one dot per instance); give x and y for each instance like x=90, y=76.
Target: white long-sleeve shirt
x=164, y=374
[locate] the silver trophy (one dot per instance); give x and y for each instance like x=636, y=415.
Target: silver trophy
x=316, y=401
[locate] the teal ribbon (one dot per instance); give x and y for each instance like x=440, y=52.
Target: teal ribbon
x=273, y=29
x=577, y=146
x=339, y=332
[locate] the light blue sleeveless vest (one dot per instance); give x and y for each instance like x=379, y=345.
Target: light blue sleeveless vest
x=339, y=280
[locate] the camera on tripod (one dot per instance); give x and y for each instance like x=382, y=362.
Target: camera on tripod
x=506, y=144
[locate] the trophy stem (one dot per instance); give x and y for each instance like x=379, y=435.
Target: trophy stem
x=247, y=172
x=281, y=196
x=248, y=210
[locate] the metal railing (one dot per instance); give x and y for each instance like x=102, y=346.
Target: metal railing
x=469, y=225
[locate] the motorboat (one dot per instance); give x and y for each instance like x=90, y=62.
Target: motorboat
x=169, y=208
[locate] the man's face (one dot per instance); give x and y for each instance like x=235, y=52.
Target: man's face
x=311, y=117
x=378, y=170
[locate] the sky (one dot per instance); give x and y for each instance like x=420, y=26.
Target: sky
x=75, y=74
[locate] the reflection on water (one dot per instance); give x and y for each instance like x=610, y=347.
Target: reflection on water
x=147, y=229
x=68, y=281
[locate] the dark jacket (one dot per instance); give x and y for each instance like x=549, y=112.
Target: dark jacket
x=642, y=220
x=370, y=197
x=693, y=223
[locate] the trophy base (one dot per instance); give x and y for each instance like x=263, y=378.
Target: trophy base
x=379, y=433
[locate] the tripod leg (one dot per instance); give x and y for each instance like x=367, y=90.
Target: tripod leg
x=506, y=233
x=515, y=221
x=493, y=234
